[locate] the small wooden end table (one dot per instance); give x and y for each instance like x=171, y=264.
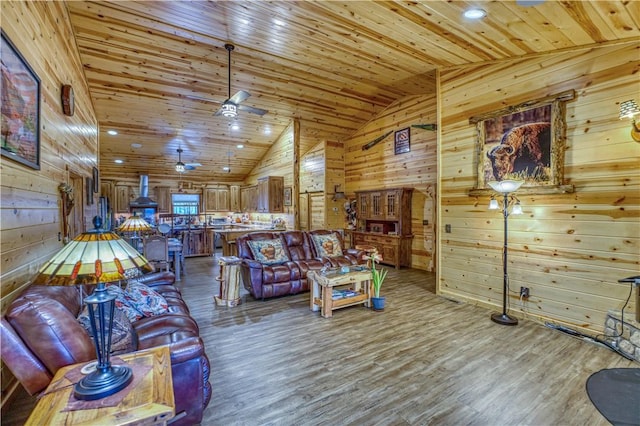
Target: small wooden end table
x=150, y=403
x=229, y=281
x=321, y=295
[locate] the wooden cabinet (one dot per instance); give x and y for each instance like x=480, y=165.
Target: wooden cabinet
x=234, y=198
x=271, y=194
x=163, y=198
x=197, y=242
x=249, y=199
x=216, y=199
x=122, y=199
x=384, y=221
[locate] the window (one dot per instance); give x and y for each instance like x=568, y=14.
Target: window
x=187, y=204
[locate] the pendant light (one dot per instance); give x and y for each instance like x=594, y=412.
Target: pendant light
x=180, y=165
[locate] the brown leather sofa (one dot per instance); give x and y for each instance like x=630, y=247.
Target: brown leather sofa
x=299, y=254
x=40, y=334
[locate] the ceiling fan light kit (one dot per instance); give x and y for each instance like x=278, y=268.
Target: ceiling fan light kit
x=180, y=168
x=229, y=109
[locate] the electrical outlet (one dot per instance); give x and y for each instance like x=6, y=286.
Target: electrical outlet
x=425, y=222
x=524, y=292
x=447, y=228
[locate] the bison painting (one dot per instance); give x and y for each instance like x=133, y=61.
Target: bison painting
x=524, y=150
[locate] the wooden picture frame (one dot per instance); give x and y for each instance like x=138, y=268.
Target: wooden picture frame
x=524, y=142
x=402, y=141
x=287, y=196
x=96, y=180
x=20, y=135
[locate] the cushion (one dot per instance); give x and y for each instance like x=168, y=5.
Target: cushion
x=123, y=303
x=123, y=338
x=268, y=252
x=327, y=245
x=146, y=300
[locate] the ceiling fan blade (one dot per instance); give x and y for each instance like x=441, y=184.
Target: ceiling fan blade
x=239, y=97
x=252, y=110
x=201, y=99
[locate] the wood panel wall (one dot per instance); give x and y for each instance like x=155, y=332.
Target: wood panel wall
x=569, y=249
x=31, y=207
x=380, y=167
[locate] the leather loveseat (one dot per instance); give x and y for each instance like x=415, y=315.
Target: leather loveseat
x=276, y=263
x=40, y=334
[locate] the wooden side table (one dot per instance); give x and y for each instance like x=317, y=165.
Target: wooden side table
x=150, y=402
x=229, y=281
x=321, y=297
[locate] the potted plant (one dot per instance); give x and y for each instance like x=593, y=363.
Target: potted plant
x=377, y=278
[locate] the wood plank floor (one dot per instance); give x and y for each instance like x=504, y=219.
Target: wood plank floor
x=425, y=360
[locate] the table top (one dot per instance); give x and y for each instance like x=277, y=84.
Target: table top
x=151, y=402
x=335, y=278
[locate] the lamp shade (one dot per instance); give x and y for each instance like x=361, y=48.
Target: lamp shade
x=90, y=258
x=506, y=186
x=134, y=224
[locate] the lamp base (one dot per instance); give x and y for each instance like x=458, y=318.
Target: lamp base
x=504, y=319
x=103, y=383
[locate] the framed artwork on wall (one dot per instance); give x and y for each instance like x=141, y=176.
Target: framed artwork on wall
x=89, y=190
x=524, y=142
x=287, y=196
x=402, y=141
x=20, y=137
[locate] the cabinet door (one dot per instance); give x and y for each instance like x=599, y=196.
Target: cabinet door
x=122, y=199
x=222, y=197
x=363, y=205
x=389, y=254
x=211, y=199
x=163, y=198
x=377, y=208
x=263, y=196
x=392, y=205
x=234, y=198
x=276, y=195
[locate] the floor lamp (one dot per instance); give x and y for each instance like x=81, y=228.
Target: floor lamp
x=509, y=202
x=96, y=258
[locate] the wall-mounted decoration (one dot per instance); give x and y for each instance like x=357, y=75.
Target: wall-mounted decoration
x=287, y=196
x=96, y=180
x=402, y=141
x=20, y=138
x=68, y=100
x=524, y=142
x=89, y=190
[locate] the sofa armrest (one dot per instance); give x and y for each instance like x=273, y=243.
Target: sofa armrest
x=157, y=278
x=24, y=365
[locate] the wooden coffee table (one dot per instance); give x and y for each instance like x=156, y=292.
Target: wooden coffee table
x=322, y=285
x=150, y=403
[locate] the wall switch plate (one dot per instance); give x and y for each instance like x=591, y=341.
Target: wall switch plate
x=425, y=222
x=447, y=228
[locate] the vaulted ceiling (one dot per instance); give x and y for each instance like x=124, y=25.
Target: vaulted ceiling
x=158, y=70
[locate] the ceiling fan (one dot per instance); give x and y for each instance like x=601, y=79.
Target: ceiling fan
x=231, y=106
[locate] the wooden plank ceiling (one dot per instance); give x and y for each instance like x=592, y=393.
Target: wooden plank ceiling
x=157, y=70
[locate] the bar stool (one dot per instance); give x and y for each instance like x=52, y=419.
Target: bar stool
x=229, y=281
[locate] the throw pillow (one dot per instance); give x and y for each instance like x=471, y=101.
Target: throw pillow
x=124, y=304
x=268, y=252
x=146, y=300
x=123, y=337
x=327, y=245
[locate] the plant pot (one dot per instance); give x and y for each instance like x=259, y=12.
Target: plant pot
x=377, y=303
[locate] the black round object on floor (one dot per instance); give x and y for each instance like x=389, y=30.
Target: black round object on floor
x=615, y=392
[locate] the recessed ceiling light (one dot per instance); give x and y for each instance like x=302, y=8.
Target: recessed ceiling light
x=226, y=169
x=118, y=161
x=136, y=145
x=112, y=132
x=474, y=14
x=279, y=23
x=239, y=146
x=267, y=131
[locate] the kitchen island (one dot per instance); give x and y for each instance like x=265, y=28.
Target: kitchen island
x=230, y=232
